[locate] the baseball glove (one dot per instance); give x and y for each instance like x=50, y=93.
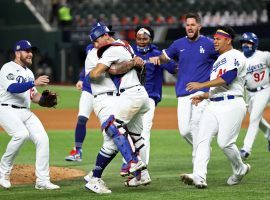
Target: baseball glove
x=48, y=99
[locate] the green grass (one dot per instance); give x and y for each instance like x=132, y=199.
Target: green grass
x=170, y=156
x=69, y=97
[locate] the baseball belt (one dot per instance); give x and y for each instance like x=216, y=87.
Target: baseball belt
x=13, y=106
x=226, y=97
x=258, y=88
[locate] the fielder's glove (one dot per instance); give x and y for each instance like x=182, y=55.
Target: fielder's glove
x=48, y=99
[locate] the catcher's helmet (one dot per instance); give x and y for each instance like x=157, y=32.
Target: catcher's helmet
x=250, y=37
x=98, y=30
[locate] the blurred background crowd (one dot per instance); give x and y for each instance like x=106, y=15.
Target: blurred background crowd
x=60, y=27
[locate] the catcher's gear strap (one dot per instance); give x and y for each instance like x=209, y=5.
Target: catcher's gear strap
x=137, y=140
x=102, y=49
x=120, y=140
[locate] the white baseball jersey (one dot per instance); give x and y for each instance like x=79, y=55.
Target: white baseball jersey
x=10, y=73
x=21, y=124
x=228, y=61
x=257, y=79
x=117, y=54
x=258, y=69
x=217, y=118
x=104, y=83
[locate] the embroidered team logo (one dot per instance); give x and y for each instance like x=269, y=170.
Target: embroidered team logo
x=20, y=79
x=202, y=49
x=10, y=76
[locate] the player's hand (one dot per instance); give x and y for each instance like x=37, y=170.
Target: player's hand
x=193, y=86
x=42, y=80
x=79, y=85
x=155, y=60
x=138, y=61
x=199, y=98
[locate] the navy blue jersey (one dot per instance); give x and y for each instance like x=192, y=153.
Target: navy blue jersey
x=195, y=61
x=154, y=73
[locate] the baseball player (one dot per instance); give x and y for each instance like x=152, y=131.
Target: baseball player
x=226, y=97
x=17, y=91
x=152, y=83
x=85, y=109
x=195, y=55
x=108, y=102
x=257, y=87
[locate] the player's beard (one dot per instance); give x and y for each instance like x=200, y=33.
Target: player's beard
x=194, y=36
x=26, y=61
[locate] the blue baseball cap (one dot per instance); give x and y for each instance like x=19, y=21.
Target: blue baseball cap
x=23, y=45
x=98, y=30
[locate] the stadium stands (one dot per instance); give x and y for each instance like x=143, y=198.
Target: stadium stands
x=157, y=12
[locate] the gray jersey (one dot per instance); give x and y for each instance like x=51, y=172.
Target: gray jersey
x=258, y=69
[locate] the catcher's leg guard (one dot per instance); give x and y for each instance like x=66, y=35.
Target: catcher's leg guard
x=119, y=139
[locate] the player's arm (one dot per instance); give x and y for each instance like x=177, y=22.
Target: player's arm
x=81, y=78
x=226, y=78
x=158, y=60
x=125, y=66
x=199, y=98
x=97, y=72
x=22, y=87
x=36, y=97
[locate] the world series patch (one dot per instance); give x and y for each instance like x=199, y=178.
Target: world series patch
x=10, y=76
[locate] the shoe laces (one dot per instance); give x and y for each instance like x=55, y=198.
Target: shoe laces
x=102, y=183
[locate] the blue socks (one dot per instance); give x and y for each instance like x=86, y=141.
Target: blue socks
x=80, y=132
x=102, y=161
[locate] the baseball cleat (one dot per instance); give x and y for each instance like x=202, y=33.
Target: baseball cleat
x=190, y=179
x=97, y=185
x=88, y=176
x=75, y=155
x=235, y=179
x=187, y=179
x=124, y=170
x=5, y=181
x=46, y=186
x=135, y=166
x=142, y=179
x=244, y=155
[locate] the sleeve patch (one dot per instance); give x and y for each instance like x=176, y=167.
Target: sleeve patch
x=10, y=76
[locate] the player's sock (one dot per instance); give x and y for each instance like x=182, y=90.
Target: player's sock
x=80, y=132
x=102, y=161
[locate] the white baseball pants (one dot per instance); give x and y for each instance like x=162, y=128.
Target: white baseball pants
x=189, y=117
x=147, y=125
x=85, y=104
x=222, y=119
x=21, y=125
x=257, y=101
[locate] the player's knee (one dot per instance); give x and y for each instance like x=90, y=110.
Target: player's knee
x=22, y=136
x=184, y=131
x=82, y=120
x=111, y=128
x=222, y=144
x=108, y=150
